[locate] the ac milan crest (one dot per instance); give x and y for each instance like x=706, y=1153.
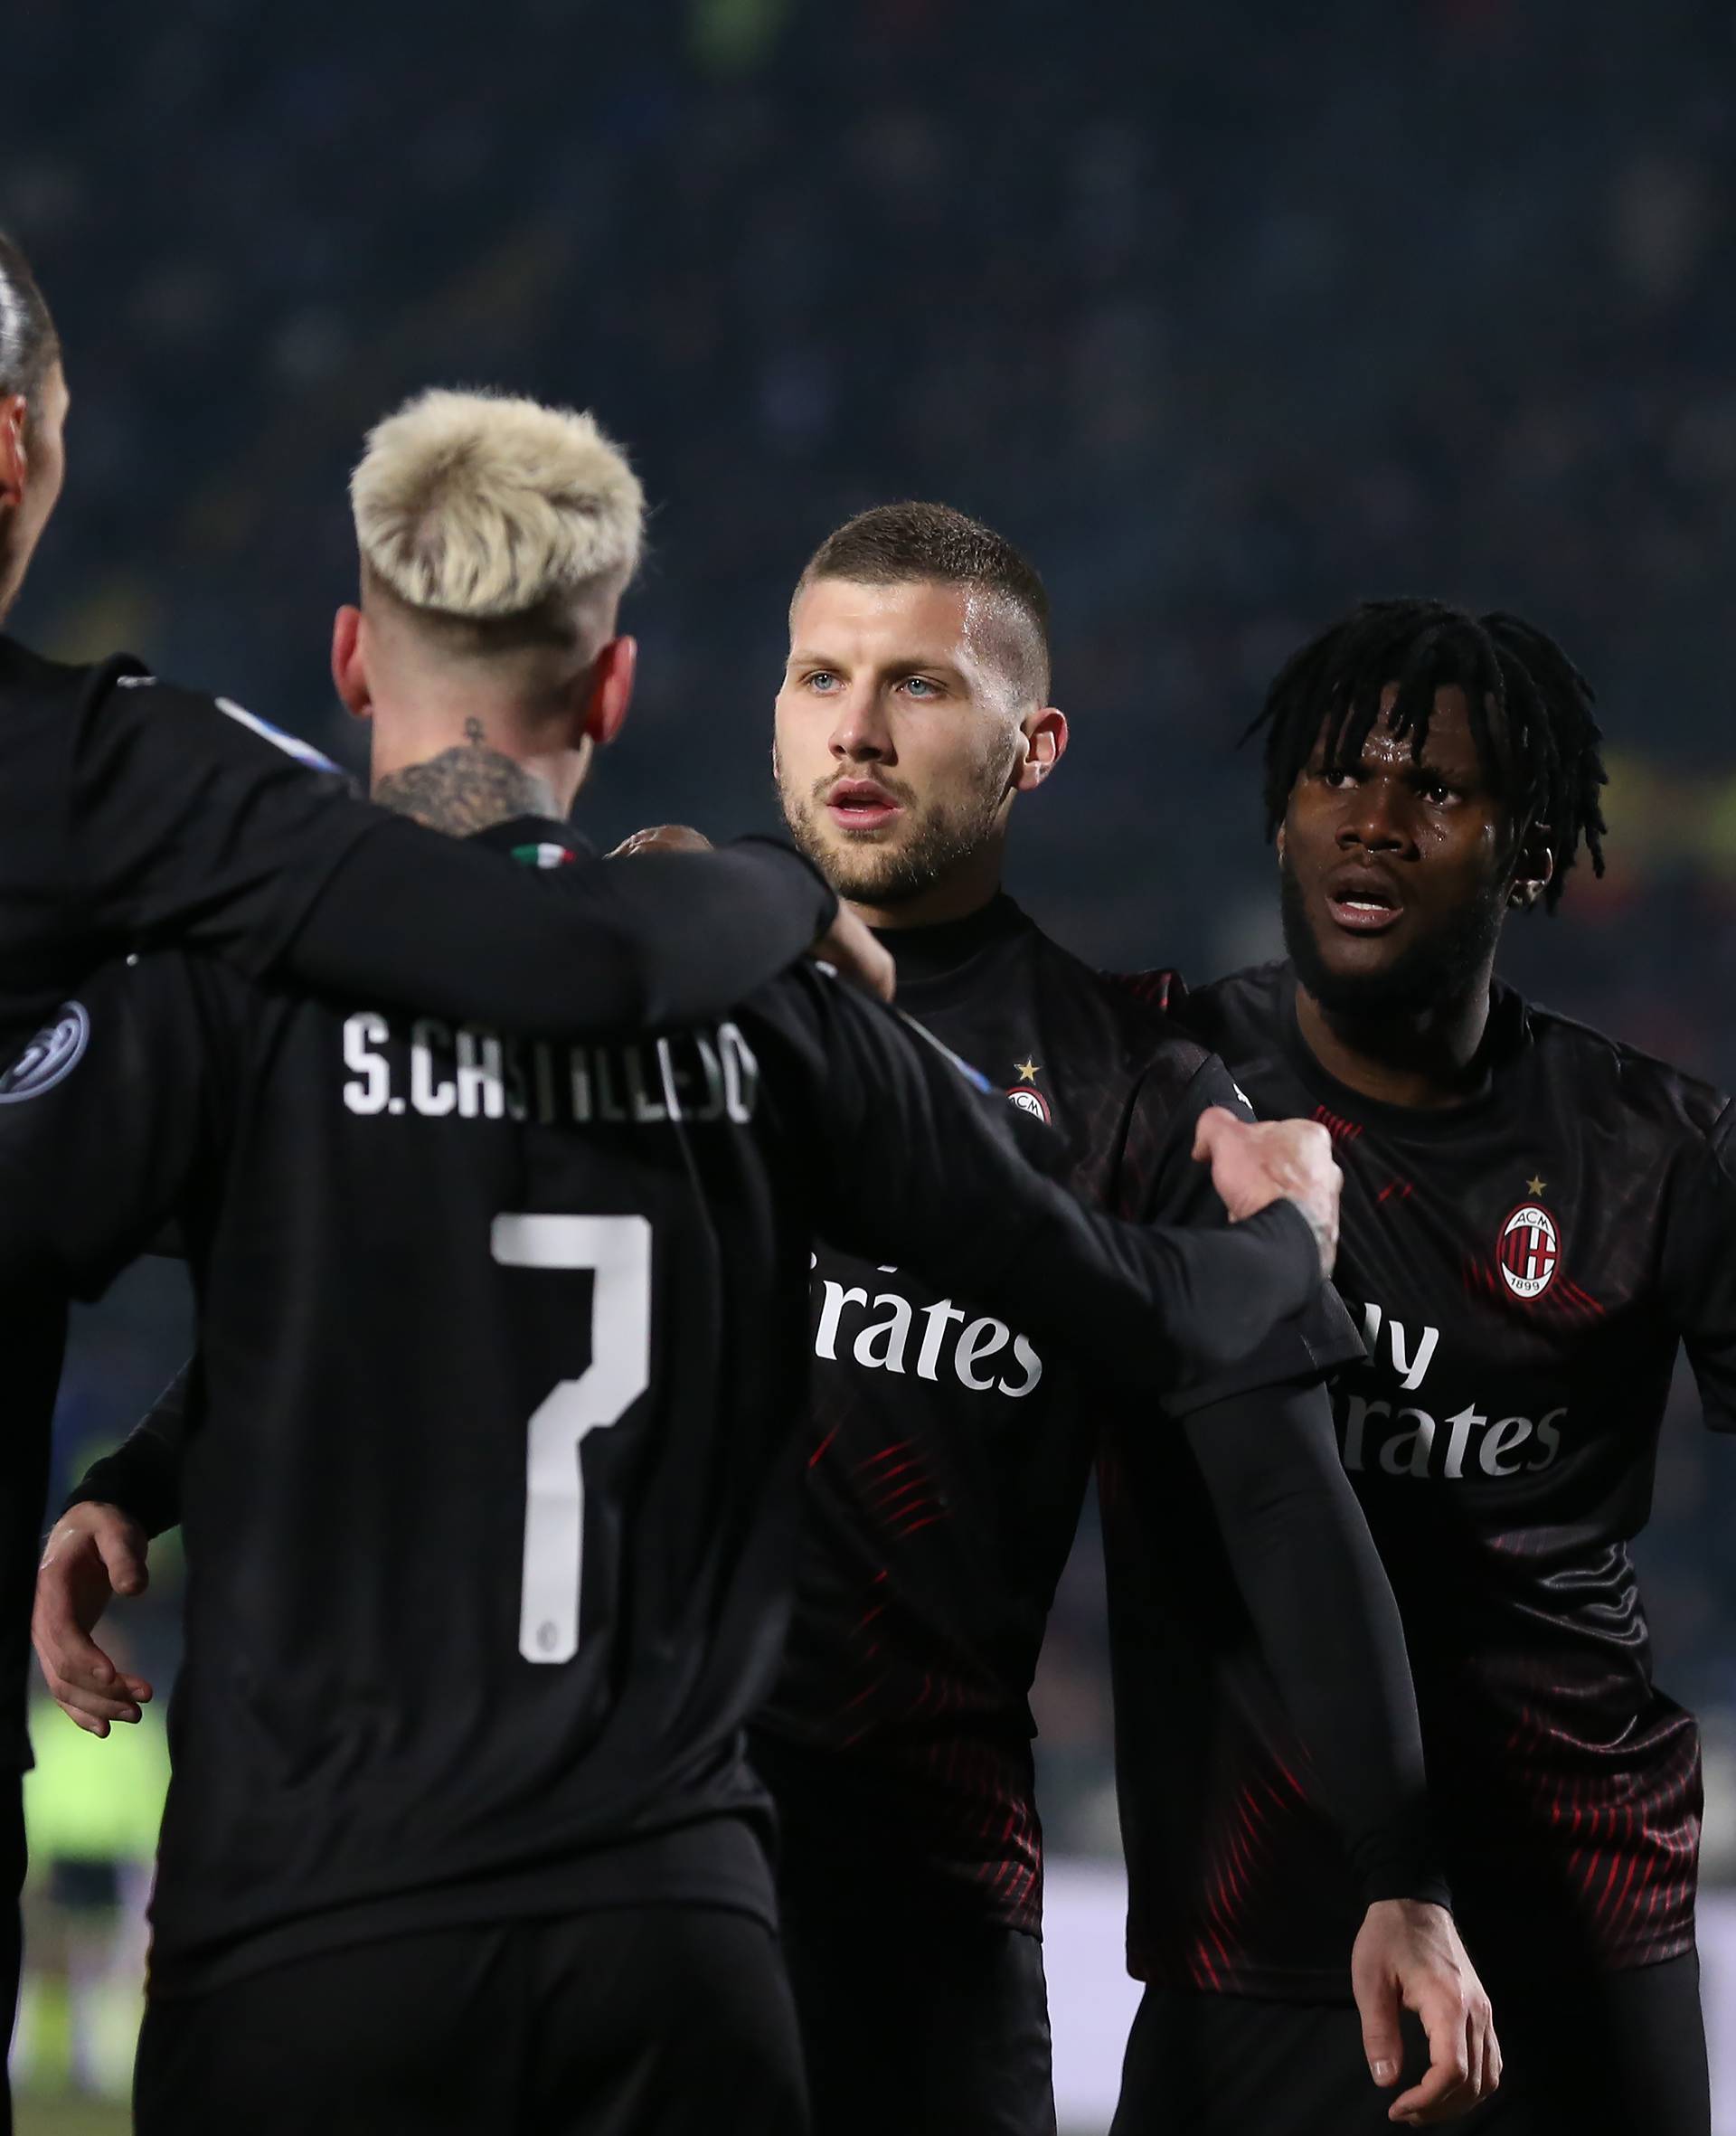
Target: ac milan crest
x=1025, y=1093
x=1529, y=1251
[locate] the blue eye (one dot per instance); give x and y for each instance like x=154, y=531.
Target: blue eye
x=823, y=680
x=920, y=683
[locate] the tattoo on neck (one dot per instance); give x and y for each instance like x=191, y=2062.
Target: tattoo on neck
x=465, y=788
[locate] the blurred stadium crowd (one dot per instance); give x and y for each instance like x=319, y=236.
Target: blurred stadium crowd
x=1230, y=316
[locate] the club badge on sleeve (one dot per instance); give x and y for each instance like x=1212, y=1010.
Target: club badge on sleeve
x=49, y=1057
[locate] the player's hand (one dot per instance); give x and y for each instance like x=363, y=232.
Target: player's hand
x=662, y=838
x=1255, y=1164
x=93, y=1553
x=846, y=944
x=849, y=946
x=1409, y=1956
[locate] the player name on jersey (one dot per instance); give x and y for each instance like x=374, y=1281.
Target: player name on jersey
x=426, y=1068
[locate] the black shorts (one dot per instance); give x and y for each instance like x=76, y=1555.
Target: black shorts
x=664, y=2021
x=918, y=2025
x=1594, y=2054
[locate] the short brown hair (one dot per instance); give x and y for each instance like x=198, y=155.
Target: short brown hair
x=917, y=544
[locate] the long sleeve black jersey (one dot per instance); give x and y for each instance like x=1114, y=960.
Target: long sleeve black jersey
x=486, y=1512
x=948, y=1454
x=133, y=813
x=1525, y=1268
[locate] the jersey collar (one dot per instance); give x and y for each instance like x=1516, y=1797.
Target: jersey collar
x=923, y=954
x=536, y=841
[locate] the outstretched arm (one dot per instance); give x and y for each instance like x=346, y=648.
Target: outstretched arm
x=1161, y=1307
x=192, y=822
x=1292, y=1528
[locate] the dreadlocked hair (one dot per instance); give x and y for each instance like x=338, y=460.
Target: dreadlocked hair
x=1532, y=712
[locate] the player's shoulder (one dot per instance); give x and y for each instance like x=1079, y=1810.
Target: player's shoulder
x=1132, y=1010
x=29, y=674
x=46, y=702
x=125, y=686
x=1603, y=1076
x=1231, y=1018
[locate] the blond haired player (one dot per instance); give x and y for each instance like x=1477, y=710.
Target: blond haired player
x=487, y=1502
x=133, y=812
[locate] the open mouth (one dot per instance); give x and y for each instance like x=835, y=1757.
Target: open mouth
x=859, y=805
x=1364, y=905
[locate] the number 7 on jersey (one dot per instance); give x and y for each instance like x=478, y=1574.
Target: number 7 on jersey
x=618, y=1251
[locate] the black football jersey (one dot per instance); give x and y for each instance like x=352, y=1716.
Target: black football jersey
x=948, y=1451
x=1525, y=1268
x=502, y=1346
x=134, y=813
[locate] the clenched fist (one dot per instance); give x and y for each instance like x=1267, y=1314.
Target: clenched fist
x=1255, y=1164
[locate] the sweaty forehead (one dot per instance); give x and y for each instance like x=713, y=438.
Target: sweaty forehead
x=1450, y=742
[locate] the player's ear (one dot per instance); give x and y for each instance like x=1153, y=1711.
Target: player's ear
x=15, y=455
x=1533, y=869
x=1278, y=842
x=1045, y=743
x=349, y=671
x=610, y=690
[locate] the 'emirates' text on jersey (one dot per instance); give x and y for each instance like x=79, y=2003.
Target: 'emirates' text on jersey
x=949, y=1452
x=1524, y=1269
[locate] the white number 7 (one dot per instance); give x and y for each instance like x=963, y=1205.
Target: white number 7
x=618, y=1249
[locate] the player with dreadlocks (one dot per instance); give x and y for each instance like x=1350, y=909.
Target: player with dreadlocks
x=1534, y=1217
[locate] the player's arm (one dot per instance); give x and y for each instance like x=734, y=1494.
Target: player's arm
x=190, y=824
x=142, y=1476
x=1699, y=1266
x=98, y=1158
x=1291, y=1528
x=1264, y=1443
x=916, y=1164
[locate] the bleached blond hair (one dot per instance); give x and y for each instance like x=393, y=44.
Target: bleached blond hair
x=480, y=506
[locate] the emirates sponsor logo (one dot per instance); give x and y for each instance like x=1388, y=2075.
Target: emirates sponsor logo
x=888, y=1332
x=1529, y=1251
x=1385, y=1435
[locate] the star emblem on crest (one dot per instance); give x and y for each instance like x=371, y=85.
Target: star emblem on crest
x=1028, y=1071
x=1536, y=1187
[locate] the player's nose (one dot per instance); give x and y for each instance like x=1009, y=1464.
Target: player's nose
x=860, y=730
x=1377, y=816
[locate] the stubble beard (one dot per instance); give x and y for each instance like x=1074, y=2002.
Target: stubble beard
x=1428, y=975
x=934, y=839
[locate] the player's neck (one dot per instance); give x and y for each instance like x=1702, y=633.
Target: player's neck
x=963, y=889
x=1429, y=1060
x=469, y=785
